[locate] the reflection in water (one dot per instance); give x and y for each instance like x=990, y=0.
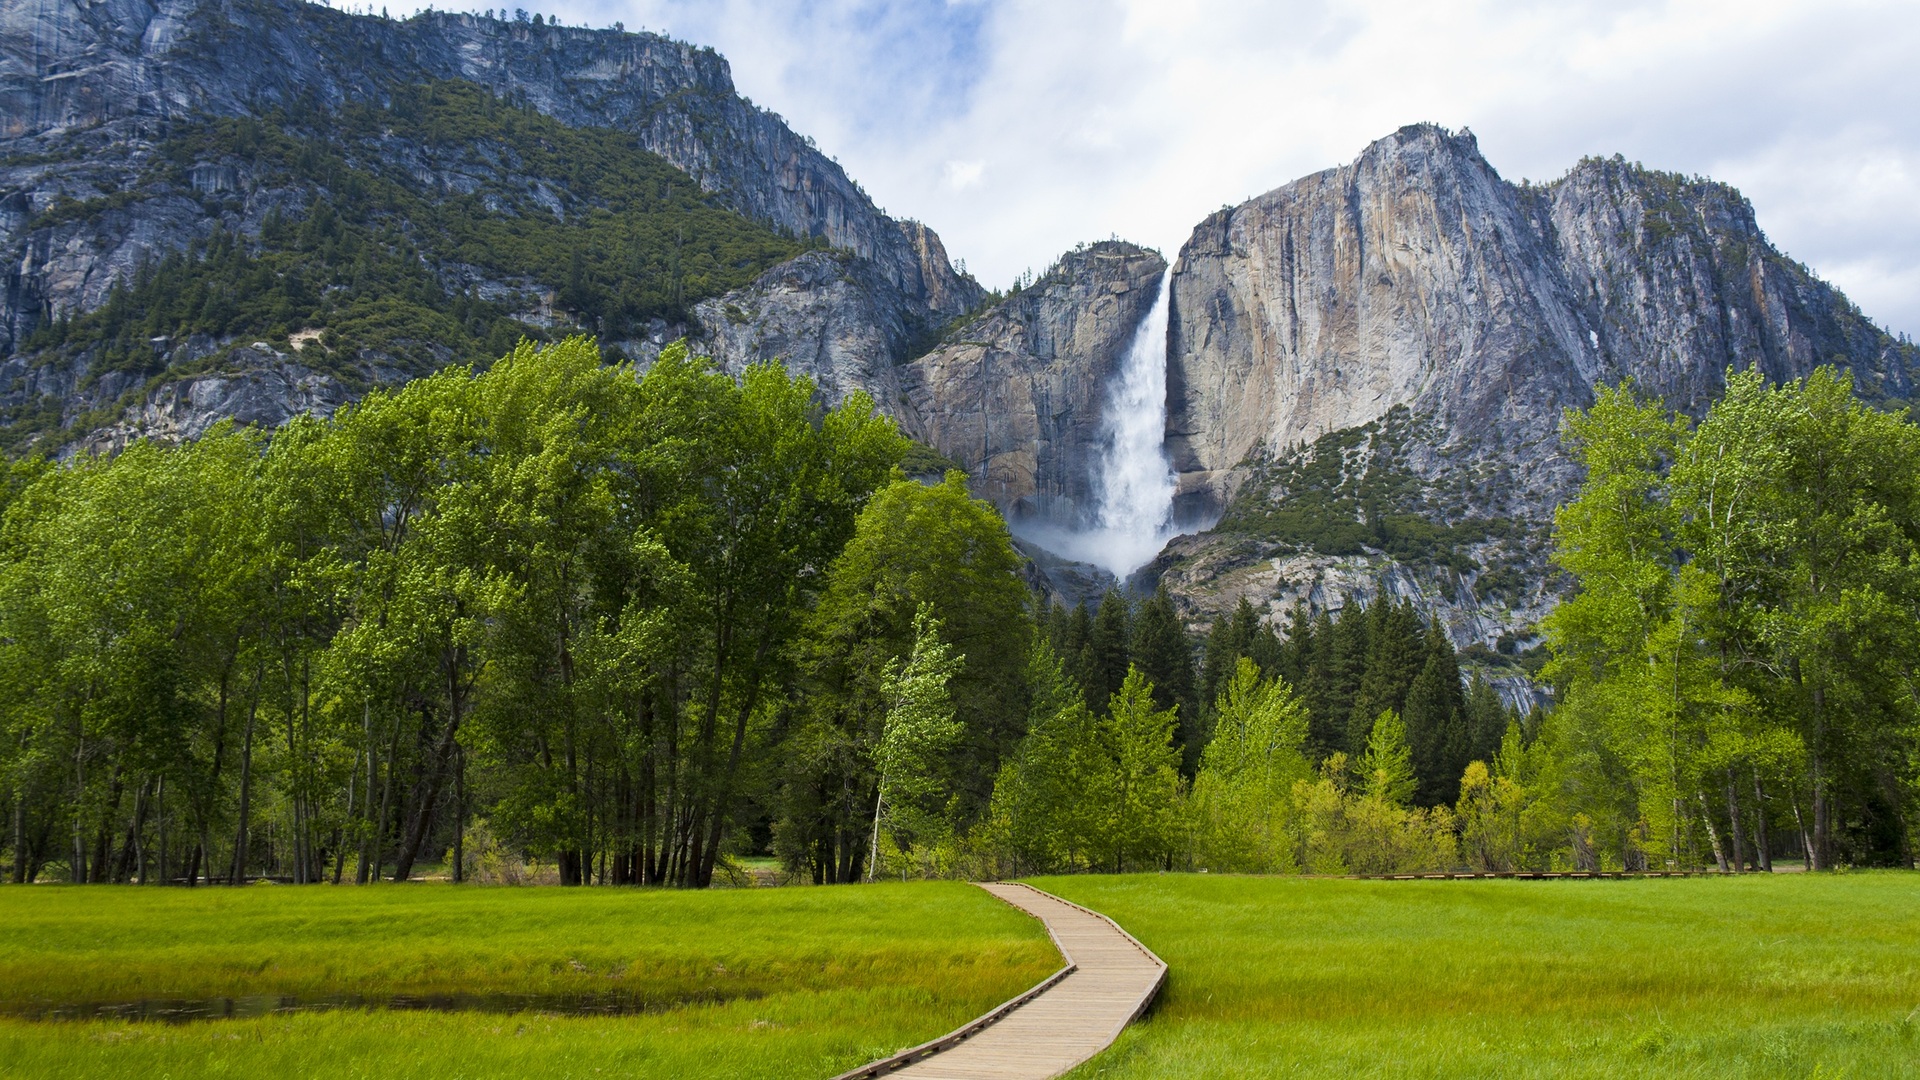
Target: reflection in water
x=253, y=1006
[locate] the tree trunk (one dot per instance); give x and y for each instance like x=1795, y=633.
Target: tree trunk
x=20, y=837
x=160, y=797
x=1762, y=848
x=238, y=873
x=377, y=835
x=77, y=870
x=130, y=844
x=99, y=871
x=1713, y=834
x=460, y=817
x=435, y=775
x=1733, y=818
x=1820, y=856
x=722, y=803
x=879, y=800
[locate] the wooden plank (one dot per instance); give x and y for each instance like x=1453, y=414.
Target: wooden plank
x=1108, y=981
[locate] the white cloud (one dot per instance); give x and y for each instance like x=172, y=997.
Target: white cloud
x=1138, y=117
x=962, y=175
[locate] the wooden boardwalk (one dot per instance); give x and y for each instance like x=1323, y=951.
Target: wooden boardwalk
x=1109, y=980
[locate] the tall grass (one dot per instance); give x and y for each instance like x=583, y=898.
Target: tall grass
x=782, y=982
x=1782, y=975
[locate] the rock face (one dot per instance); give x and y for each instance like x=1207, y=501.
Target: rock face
x=90, y=93
x=833, y=317
x=68, y=66
x=1366, y=367
x=1392, y=343
x=1417, y=277
x=1017, y=395
x=255, y=385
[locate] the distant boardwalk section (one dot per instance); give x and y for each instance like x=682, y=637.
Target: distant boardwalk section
x=1109, y=980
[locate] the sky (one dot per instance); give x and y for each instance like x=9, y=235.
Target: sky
x=1018, y=128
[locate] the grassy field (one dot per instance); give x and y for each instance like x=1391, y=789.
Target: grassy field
x=783, y=982
x=1791, y=976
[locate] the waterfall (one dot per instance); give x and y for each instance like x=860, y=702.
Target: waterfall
x=1133, y=481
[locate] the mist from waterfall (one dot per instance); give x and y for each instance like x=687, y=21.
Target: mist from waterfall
x=1133, y=478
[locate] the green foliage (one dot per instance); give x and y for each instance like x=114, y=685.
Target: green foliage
x=912, y=545
x=915, y=738
x=1733, y=663
x=1085, y=792
x=1340, y=830
x=924, y=460
x=1165, y=657
x=1042, y=816
x=1351, y=491
x=557, y=594
x=1109, y=648
x=1386, y=772
x=1352, y=665
x=1231, y=639
x=1142, y=792
x=1242, y=794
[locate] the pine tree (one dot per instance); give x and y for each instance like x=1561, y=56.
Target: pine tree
x=1261, y=643
x=1436, y=723
x=1076, y=652
x=1352, y=641
x=1395, y=655
x=1232, y=637
x=1110, y=643
x=1217, y=659
x=1162, y=653
x=1324, y=684
x=1293, y=650
x=1386, y=769
x=1487, y=719
x=1143, y=793
x=1047, y=811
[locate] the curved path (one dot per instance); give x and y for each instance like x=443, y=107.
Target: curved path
x=1109, y=980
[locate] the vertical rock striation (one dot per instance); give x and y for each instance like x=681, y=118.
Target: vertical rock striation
x=1368, y=366
x=1417, y=277
x=1016, y=395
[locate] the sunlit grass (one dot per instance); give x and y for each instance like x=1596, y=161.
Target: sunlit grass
x=785, y=982
x=1798, y=975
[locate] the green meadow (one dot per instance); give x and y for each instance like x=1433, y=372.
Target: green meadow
x=1787, y=975
x=735, y=983
x=1783, y=975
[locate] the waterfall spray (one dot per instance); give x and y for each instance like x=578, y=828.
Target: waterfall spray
x=1133, y=480
x=1136, y=481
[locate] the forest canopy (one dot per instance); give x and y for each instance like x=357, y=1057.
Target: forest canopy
x=565, y=620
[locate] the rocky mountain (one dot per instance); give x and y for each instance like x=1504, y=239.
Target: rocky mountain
x=252, y=208
x=1417, y=277
x=135, y=130
x=1016, y=395
x=1367, y=367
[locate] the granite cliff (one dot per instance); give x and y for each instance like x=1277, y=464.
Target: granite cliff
x=123, y=141
x=1367, y=367
x=1016, y=395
